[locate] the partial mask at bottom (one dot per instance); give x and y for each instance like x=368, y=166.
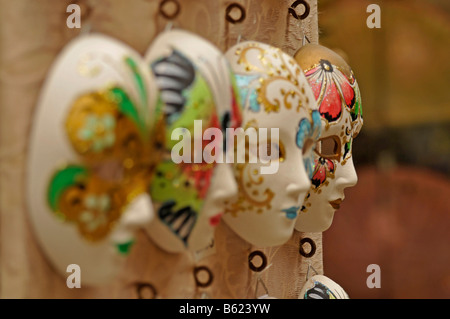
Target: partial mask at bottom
x=322, y=287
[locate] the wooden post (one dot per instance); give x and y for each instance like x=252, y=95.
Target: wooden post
x=31, y=35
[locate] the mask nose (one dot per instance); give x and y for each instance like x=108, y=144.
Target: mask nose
x=295, y=191
x=346, y=175
x=299, y=184
x=139, y=212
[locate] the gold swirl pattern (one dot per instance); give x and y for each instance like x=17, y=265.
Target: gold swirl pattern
x=280, y=75
x=246, y=179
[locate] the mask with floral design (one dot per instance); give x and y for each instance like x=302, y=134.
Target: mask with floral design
x=339, y=101
x=274, y=94
x=91, y=156
x=196, y=86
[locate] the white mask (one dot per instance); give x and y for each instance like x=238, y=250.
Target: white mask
x=322, y=287
x=196, y=83
x=274, y=94
x=339, y=101
x=89, y=157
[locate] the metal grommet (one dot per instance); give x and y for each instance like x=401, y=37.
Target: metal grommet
x=144, y=286
x=232, y=6
x=295, y=5
x=311, y=243
x=263, y=261
x=165, y=14
x=199, y=283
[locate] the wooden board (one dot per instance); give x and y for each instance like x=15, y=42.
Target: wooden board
x=31, y=35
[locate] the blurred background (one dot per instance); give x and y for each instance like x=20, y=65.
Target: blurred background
x=398, y=215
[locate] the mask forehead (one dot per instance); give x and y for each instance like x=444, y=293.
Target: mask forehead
x=269, y=80
x=336, y=91
x=273, y=89
x=333, y=83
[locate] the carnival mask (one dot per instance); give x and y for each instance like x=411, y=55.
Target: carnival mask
x=91, y=156
x=339, y=100
x=198, y=100
x=322, y=287
x=274, y=95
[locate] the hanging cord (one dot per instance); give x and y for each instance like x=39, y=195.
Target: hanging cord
x=304, y=40
x=169, y=10
x=169, y=16
x=292, y=12
x=229, y=17
x=86, y=26
x=258, y=270
x=309, y=268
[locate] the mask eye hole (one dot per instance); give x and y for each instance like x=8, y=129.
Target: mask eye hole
x=329, y=147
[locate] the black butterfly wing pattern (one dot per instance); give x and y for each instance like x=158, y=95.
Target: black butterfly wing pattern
x=174, y=74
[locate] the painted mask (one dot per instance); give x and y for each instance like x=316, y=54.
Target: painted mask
x=339, y=100
x=198, y=95
x=274, y=94
x=90, y=156
x=322, y=287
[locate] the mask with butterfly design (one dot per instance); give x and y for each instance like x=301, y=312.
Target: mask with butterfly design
x=196, y=85
x=338, y=97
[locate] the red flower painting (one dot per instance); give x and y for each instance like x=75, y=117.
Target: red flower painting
x=331, y=89
x=323, y=169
